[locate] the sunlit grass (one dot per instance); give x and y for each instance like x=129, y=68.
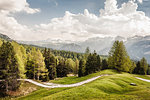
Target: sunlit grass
x=75, y=79
x=114, y=87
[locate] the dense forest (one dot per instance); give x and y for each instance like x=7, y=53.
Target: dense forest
x=22, y=61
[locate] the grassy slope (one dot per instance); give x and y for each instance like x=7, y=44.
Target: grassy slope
x=114, y=87
x=75, y=79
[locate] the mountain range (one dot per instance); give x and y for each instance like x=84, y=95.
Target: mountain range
x=5, y=37
x=137, y=46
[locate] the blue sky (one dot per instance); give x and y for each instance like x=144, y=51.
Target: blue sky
x=56, y=8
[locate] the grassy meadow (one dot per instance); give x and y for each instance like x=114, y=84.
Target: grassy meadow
x=114, y=87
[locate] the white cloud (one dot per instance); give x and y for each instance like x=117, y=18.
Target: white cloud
x=8, y=24
x=125, y=21
x=16, y=6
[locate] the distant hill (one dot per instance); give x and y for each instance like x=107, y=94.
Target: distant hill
x=137, y=46
x=5, y=37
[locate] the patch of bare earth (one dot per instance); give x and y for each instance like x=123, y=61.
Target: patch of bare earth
x=25, y=89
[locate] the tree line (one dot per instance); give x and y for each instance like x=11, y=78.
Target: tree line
x=118, y=59
x=18, y=61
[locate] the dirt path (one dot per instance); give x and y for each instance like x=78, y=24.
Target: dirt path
x=52, y=85
x=146, y=80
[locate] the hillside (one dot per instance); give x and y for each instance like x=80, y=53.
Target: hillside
x=5, y=37
x=114, y=87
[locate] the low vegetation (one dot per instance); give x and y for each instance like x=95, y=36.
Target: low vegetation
x=114, y=87
x=76, y=79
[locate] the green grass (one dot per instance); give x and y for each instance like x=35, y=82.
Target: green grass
x=42, y=93
x=75, y=79
x=114, y=87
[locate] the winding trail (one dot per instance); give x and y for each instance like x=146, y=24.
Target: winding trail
x=53, y=85
x=146, y=80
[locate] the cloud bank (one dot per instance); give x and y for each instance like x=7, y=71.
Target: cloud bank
x=16, y=6
x=8, y=24
x=125, y=21
x=113, y=21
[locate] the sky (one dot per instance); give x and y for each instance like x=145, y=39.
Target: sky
x=75, y=20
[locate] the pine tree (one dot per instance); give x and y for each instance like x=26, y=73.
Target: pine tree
x=118, y=57
x=36, y=65
x=148, y=71
x=144, y=66
x=30, y=68
x=104, y=64
x=92, y=63
x=9, y=71
x=89, y=65
x=99, y=66
x=87, y=52
x=137, y=68
x=81, y=71
x=76, y=68
x=50, y=62
x=132, y=67
x=21, y=58
x=61, y=68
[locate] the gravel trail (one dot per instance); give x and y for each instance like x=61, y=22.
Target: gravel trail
x=146, y=80
x=53, y=85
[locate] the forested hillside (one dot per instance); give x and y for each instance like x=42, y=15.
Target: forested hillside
x=19, y=61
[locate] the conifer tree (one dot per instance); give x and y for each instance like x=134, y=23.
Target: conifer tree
x=50, y=62
x=9, y=72
x=92, y=63
x=62, y=69
x=104, y=64
x=118, y=57
x=87, y=52
x=99, y=66
x=21, y=58
x=82, y=65
x=144, y=66
x=137, y=69
x=36, y=64
x=76, y=68
x=148, y=71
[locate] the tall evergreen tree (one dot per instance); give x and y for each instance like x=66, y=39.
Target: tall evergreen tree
x=92, y=63
x=104, y=64
x=87, y=52
x=62, y=69
x=76, y=68
x=99, y=65
x=36, y=61
x=118, y=57
x=144, y=66
x=82, y=65
x=50, y=62
x=9, y=72
x=21, y=58
x=148, y=71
